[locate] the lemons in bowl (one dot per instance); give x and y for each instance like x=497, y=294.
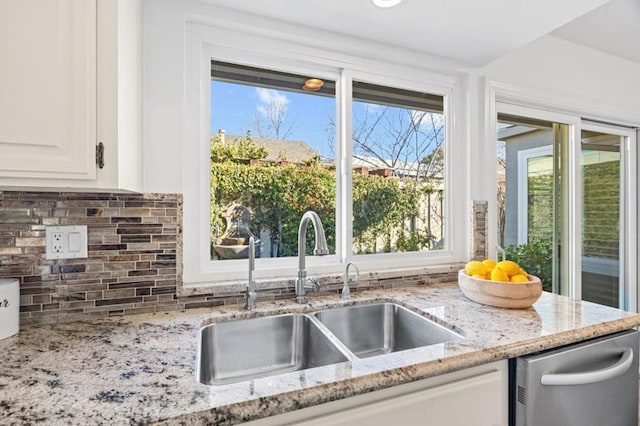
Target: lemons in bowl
x=502, y=284
x=503, y=271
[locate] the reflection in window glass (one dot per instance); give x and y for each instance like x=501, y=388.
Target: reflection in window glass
x=531, y=197
x=601, y=163
x=398, y=160
x=271, y=159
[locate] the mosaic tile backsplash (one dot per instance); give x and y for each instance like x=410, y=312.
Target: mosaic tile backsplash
x=134, y=259
x=132, y=254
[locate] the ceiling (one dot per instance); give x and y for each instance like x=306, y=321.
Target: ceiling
x=468, y=31
x=613, y=28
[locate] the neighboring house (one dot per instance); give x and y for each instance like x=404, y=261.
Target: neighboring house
x=525, y=142
x=279, y=150
x=399, y=168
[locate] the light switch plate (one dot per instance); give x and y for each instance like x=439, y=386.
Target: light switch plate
x=66, y=242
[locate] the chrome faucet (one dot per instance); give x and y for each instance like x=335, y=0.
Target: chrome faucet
x=302, y=282
x=251, y=287
x=346, y=291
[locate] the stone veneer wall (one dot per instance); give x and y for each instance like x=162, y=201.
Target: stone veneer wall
x=134, y=259
x=480, y=229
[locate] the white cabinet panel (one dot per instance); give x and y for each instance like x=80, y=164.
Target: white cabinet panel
x=474, y=401
x=70, y=78
x=48, y=88
x=476, y=396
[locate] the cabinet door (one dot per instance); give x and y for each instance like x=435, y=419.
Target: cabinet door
x=478, y=401
x=475, y=396
x=48, y=89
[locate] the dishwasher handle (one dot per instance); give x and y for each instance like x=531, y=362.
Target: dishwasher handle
x=568, y=379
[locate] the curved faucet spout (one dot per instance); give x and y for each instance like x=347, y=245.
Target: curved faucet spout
x=346, y=291
x=321, y=249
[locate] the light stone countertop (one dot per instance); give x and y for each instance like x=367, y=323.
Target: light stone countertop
x=140, y=369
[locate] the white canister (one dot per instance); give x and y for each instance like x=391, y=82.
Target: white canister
x=9, y=307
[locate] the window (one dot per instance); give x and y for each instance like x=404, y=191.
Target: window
x=271, y=137
x=398, y=159
x=272, y=159
x=274, y=153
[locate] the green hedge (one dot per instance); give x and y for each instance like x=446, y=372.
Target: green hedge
x=278, y=196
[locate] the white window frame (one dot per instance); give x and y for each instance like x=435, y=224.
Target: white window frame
x=204, y=42
x=523, y=187
x=627, y=268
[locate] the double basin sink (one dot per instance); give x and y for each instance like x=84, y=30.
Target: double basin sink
x=241, y=350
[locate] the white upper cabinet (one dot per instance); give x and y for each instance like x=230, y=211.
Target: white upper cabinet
x=70, y=79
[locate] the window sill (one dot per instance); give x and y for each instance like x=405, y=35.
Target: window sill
x=388, y=278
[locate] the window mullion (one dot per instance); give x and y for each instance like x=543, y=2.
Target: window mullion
x=344, y=209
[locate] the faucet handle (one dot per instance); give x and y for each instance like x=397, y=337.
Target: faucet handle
x=252, y=296
x=312, y=284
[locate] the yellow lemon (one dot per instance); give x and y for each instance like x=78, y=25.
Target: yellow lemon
x=498, y=274
x=489, y=263
x=519, y=279
x=475, y=268
x=523, y=272
x=482, y=277
x=508, y=266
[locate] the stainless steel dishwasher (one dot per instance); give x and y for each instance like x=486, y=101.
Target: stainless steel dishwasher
x=593, y=383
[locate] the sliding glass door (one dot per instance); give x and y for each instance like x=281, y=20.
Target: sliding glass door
x=608, y=200
x=567, y=203
x=532, y=192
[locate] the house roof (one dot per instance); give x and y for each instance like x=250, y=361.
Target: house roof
x=400, y=168
x=511, y=131
x=294, y=151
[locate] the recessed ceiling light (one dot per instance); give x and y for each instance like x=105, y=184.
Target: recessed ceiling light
x=313, y=85
x=386, y=3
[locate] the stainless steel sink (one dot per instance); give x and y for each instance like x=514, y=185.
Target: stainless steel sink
x=370, y=330
x=248, y=349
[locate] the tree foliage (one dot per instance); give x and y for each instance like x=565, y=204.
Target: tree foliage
x=243, y=148
x=397, y=137
x=278, y=196
x=535, y=257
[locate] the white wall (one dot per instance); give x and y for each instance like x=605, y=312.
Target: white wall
x=163, y=94
x=573, y=74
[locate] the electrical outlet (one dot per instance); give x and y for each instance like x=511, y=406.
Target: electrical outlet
x=66, y=242
x=56, y=242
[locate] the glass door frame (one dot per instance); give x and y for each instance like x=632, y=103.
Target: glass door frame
x=628, y=295
x=570, y=267
x=523, y=187
x=571, y=264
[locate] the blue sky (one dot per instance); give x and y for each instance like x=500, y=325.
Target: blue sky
x=309, y=118
x=234, y=107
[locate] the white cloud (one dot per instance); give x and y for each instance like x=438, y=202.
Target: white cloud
x=425, y=118
x=270, y=100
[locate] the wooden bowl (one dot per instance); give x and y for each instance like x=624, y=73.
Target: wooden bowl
x=500, y=294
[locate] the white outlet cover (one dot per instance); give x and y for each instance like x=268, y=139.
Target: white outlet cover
x=66, y=242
